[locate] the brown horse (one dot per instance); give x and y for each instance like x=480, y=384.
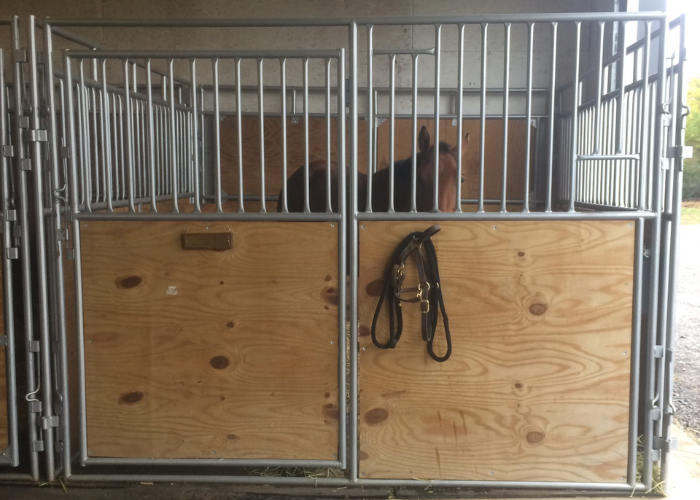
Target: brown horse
x=425, y=178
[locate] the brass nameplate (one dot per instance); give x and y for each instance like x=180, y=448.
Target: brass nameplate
x=207, y=241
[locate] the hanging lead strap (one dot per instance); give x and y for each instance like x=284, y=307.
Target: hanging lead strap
x=428, y=292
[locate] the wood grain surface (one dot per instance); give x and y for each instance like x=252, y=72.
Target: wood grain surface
x=537, y=388
x=205, y=354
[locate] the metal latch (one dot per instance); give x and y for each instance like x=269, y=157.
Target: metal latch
x=658, y=351
x=64, y=152
x=12, y=253
x=34, y=346
x=23, y=122
x=20, y=55
x=3, y=340
x=37, y=446
x=48, y=422
x=35, y=407
x=62, y=235
x=8, y=151
x=655, y=414
x=25, y=164
x=11, y=215
x=679, y=152
x=37, y=136
x=70, y=253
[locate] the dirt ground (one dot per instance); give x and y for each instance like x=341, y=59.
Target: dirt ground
x=687, y=367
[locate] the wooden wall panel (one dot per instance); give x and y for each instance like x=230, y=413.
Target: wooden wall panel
x=4, y=424
x=317, y=151
x=205, y=354
x=537, y=387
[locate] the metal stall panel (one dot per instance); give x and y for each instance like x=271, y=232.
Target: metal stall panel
x=538, y=384
x=211, y=339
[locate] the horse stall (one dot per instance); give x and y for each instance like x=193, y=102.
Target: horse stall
x=216, y=228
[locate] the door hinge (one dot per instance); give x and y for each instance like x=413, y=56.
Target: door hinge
x=34, y=346
x=20, y=55
x=35, y=407
x=23, y=122
x=48, y=422
x=3, y=340
x=679, y=152
x=655, y=414
x=12, y=253
x=70, y=253
x=11, y=215
x=37, y=446
x=64, y=152
x=8, y=151
x=62, y=235
x=665, y=444
x=36, y=136
x=658, y=351
x=25, y=164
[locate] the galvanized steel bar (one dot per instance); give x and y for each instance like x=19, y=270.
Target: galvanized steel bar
x=506, y=84
x=261, y=113
x=528, y=119
x=194, y=137
x=129, y=144
x=599, y=88
x=239, y=133
x=107, y=142
x=414, y=132
x=621, y=101
x=217, y=136
x=574, y=120
x=551, y=124
x=305, y=76
x=371, y=120
x=392, y=131
x=482, y=135
x=643, y=145
x=173, y=137
x=152, y=137
x=460, y=113
x=283, y=114
x=436, y=139
x=329, y=206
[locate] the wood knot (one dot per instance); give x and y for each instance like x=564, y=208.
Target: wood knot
x=232, y=437
x=130, y=398
x=538, y=309
x=376, y=416
x=327, y=395
x=534, y=437
x=330, y=295
x=128, y=281
x=328, y=277
x=362, y=455
x=330, y=413
x=518, y=385
x=230, y=324
x=521, y=254
x=219, y=362
x=374, y=288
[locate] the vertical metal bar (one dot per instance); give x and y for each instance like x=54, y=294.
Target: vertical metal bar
x=620, y=122
x=26, y=251
x=217, y=133
x=194, y=137
x=371, y=120
x=528, y=119
x=77, y=270
x=87, y=155
x=173, y=139
x=124, y=152
x=305, y=74
x=7, y=280
x=115, y=150
x=655, y=254
x=635, y=348
x=239, y=133
x=599, y=87
x=261, y=111
x=56, y=254
x=436, y=140
x=137, y=147
x=107, y=143
x=552, y=100
x=329, y=206
x=644, y=153
x=460, y=116
x=96, y=149
x=506, y=87
x=342, y=264
x=151, y=135
x=392, y=130
x=129, y=143
x=352, y=472
x=374, y=141
x=42, y=272
x=283, y=105
x=482, y=138
x=414, y=133
x=574, y=118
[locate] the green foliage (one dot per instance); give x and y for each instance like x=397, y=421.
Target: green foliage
x=691, y=174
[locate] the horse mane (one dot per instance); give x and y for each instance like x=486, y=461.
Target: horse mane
x=406, y=162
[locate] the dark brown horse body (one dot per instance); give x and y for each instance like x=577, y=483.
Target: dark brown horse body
x=425, y=178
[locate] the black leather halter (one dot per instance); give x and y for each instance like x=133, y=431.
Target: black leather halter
x=428, y=292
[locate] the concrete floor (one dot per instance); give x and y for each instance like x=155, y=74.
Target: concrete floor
x=684, y=485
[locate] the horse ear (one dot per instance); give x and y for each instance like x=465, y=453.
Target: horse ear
x=424, y=140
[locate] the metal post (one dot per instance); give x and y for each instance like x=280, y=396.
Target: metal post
x=482, y=138
x=552, y=101
x=151, y=136
x=392, y=130
x=261, y=112
x=574, y=120
x=194, y=136
x=599, y=88
x=217, y=135
x=129, y=140
x=371, y=120
x=283, y=118
x=414, y=133
x=528, y=115
x=173, y=139
x=506, y=85
x=460, y=115
x=329, y=205
x=436, y=139
x=306, y=133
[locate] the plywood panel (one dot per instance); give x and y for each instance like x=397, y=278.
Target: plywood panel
x=4, y=424
x=201, y=354
x=537, y=387
x=317, y=151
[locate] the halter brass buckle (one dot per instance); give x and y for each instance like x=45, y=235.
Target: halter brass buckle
x=423, y=290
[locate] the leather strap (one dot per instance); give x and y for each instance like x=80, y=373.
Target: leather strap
x=428, y=292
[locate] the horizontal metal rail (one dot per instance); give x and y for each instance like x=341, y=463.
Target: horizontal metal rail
x=219, y=462
x=202, y=54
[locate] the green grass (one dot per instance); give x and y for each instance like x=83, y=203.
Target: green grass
x=690, y=213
